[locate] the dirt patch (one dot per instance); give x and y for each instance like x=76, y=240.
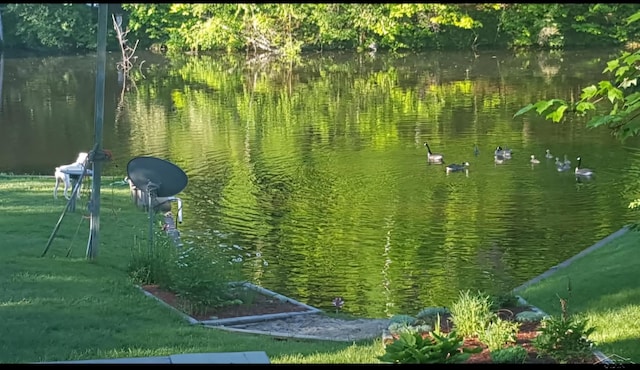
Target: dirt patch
x=259, y=304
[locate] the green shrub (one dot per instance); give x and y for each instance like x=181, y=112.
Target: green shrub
x=412, y=348
x=498, y=333
x=509, y=355
x=201, y=276
x=564, y=338
x=471, y=313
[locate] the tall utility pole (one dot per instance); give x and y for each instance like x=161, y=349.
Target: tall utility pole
x=94, y=204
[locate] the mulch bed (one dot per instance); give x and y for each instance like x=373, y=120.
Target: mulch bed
x=260, y=305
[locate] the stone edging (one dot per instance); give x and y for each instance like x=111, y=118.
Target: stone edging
x=242, y=319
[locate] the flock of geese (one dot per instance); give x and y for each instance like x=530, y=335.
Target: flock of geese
x=500, y=155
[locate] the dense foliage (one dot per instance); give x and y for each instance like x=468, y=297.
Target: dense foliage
x=613, y=102
x=289, y=28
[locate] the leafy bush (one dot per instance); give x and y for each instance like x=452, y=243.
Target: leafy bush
x=498, y=333
x=471, y=313
x=412, y=348
x=564, y=338
x=509, y=355
x=201, y=277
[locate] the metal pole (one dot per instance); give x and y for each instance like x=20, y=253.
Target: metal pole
x=92, y=245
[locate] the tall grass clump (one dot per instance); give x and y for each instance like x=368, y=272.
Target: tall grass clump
x=471, y=313
x=200, y=276
x=152, y=265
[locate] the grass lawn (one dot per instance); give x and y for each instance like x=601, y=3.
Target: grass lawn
x=605, y=286
x=66, y=308
x=57, y=308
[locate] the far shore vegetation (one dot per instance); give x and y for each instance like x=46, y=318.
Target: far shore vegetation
x=61, y=306
x=290, y=29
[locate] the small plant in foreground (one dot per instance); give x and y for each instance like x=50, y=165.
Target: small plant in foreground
x=471, y=313
x=201, y=277
x=509, y=355
x=564, y=338
x=499, y=332
x=412, y=348
x=151, y=265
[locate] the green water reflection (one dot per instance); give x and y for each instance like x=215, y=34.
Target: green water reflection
x=320, y=167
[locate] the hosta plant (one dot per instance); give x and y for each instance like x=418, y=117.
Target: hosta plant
x=413, y=348
x=509, y=355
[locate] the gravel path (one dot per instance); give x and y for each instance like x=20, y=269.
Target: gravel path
x=318, y=326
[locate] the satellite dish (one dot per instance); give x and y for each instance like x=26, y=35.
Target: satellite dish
x=155, y=174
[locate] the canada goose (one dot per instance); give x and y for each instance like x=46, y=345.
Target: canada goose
x=558, y=163
x=476, y=151
x=433, y=157
x=566, y=161
x=457, y=167
x=505, y=153
x=582, y=171
x=563, y=167
x=498, y=159
x=548, y=154
x=534, y=160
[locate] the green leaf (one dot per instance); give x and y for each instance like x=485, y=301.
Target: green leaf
x=543, y=105
x=599, y=121
x=622, y=70
x=557, y=115
x=523, y=110
x=605, y=85
x=634, y=17
x=584, y=106
x=588, y=92
x=611, y=65
x=613, y=94
x=632, y=59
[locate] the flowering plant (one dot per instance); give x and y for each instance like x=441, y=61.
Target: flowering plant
x=338, y=302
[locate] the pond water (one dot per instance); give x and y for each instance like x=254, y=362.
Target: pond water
x=318, y=169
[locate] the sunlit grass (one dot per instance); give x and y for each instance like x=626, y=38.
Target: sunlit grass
x=57, y=308
x=354, y=354
x=67, y=308
x=603, y=286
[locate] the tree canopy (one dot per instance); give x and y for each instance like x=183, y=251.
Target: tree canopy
x=290, y=28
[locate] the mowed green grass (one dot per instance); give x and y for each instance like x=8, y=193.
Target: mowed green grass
x=605, y=286
x=57, y=308
x=66, y=308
